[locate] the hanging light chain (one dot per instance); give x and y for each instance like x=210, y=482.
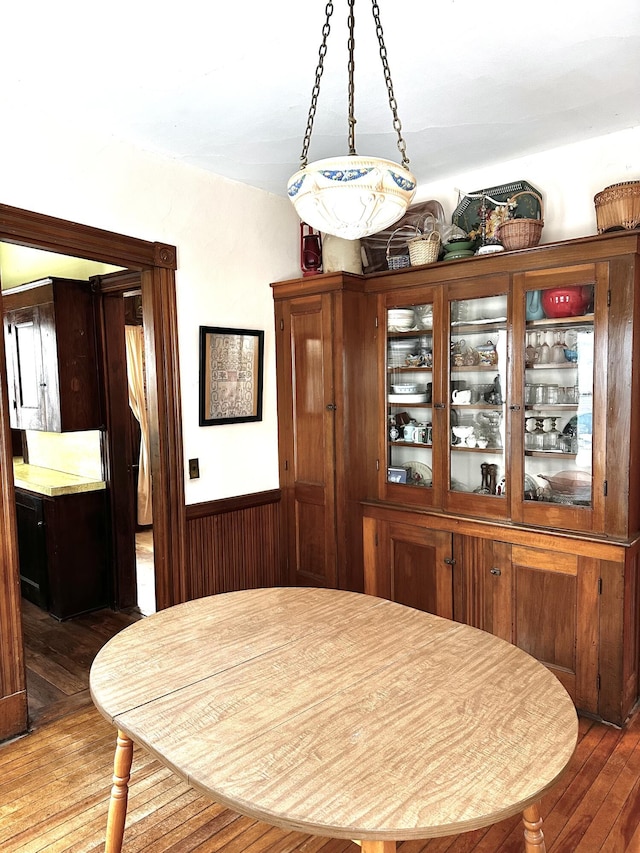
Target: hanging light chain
x=397, y=125
x=326, y=29
x=351, y=44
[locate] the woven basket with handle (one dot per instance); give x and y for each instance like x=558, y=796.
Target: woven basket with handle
x=521, y=233
x=424, y=248
x=398, y=262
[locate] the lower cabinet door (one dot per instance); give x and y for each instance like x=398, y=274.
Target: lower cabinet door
x=547, y=603
x=410, y=565
x=32, y=546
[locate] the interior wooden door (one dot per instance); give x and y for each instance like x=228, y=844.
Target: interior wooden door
x=307, y=413
x=120, y=472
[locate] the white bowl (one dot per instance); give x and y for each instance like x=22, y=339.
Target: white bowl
x=408, y=388
x=400, y=313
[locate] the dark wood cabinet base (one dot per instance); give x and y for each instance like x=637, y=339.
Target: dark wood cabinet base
x=63, y=551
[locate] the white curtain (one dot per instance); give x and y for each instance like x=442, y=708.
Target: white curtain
x=137, y=400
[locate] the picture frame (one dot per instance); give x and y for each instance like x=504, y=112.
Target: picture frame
x=231, y=375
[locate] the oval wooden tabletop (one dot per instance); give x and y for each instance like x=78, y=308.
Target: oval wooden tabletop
x=337, y=713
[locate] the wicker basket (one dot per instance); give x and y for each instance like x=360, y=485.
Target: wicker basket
x=398, y=262
x=424, y=249
x=618, y=206
x=521, y=233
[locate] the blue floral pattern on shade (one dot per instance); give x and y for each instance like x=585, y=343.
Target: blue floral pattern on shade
x=403, y=183
x=344, y=174
x=294, y=188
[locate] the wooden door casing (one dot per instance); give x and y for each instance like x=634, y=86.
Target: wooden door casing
x=157, y=263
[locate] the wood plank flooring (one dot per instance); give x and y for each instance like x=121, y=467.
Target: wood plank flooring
x=58, y=656
x=55, y=782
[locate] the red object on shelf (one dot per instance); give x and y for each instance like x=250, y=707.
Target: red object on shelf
x=566, y=301
x=310, y=250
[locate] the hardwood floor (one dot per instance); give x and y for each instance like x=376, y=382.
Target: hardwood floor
x=55, y=783
x=58, y=657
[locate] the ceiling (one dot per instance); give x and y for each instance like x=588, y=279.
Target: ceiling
x=226, y=86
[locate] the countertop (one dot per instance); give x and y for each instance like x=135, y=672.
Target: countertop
x=46, y=481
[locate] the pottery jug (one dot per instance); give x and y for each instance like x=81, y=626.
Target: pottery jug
x=461, y=397
x=534, y=310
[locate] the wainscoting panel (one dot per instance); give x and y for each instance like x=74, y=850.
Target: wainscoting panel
x=234, y=544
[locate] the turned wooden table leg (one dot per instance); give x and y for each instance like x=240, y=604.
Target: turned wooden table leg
x=119, y=794
x=377, y=846
x=533, y=835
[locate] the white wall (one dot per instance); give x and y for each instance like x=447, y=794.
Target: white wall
x=232, y=241
x=568, y=178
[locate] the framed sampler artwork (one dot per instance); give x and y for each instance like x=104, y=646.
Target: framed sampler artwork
x=231, y=365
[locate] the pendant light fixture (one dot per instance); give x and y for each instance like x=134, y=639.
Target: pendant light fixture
x=352, y=196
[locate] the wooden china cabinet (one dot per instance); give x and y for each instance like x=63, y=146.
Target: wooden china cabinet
x=502, y=484
x=325, y=352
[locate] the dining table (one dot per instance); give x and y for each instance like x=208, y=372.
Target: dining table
x=337, y=714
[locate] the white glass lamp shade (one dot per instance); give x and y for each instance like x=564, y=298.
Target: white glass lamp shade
x=351, y=196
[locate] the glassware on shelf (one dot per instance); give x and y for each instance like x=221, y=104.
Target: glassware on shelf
x=537, y=436
x=558, y=348
x=543, y=350
x=529, y=427
x=530, y=349
x=551, y=440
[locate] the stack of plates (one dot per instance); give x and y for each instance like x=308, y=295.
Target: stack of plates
x=400, y=319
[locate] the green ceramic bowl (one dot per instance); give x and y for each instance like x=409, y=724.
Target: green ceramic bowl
x=458, y=246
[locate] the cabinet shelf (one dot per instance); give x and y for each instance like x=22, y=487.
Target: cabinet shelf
x=477, y=449
x=563, y=365
x=475, y=368
x=459, y=329
x=551, y=407
x=561, y=322
x=556, y=454
x=483, y=406
x=408, y=369
x=409, y=444
x=411, y=405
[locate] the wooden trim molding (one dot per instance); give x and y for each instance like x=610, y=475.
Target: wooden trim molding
x=13, y=690
x=208, y=508
x=156, y=262
x=39, y=231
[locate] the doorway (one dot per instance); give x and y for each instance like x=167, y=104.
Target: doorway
x=155, y=264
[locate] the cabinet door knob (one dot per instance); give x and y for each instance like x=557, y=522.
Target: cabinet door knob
x=495, y=571
x=515, y=408
x=331, y=407
x=40, y=524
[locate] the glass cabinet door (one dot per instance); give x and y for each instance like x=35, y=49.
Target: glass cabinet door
x=477, y=403
x=409, y=394
x=559, y=380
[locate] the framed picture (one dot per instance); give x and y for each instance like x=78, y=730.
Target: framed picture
x=231, y=363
